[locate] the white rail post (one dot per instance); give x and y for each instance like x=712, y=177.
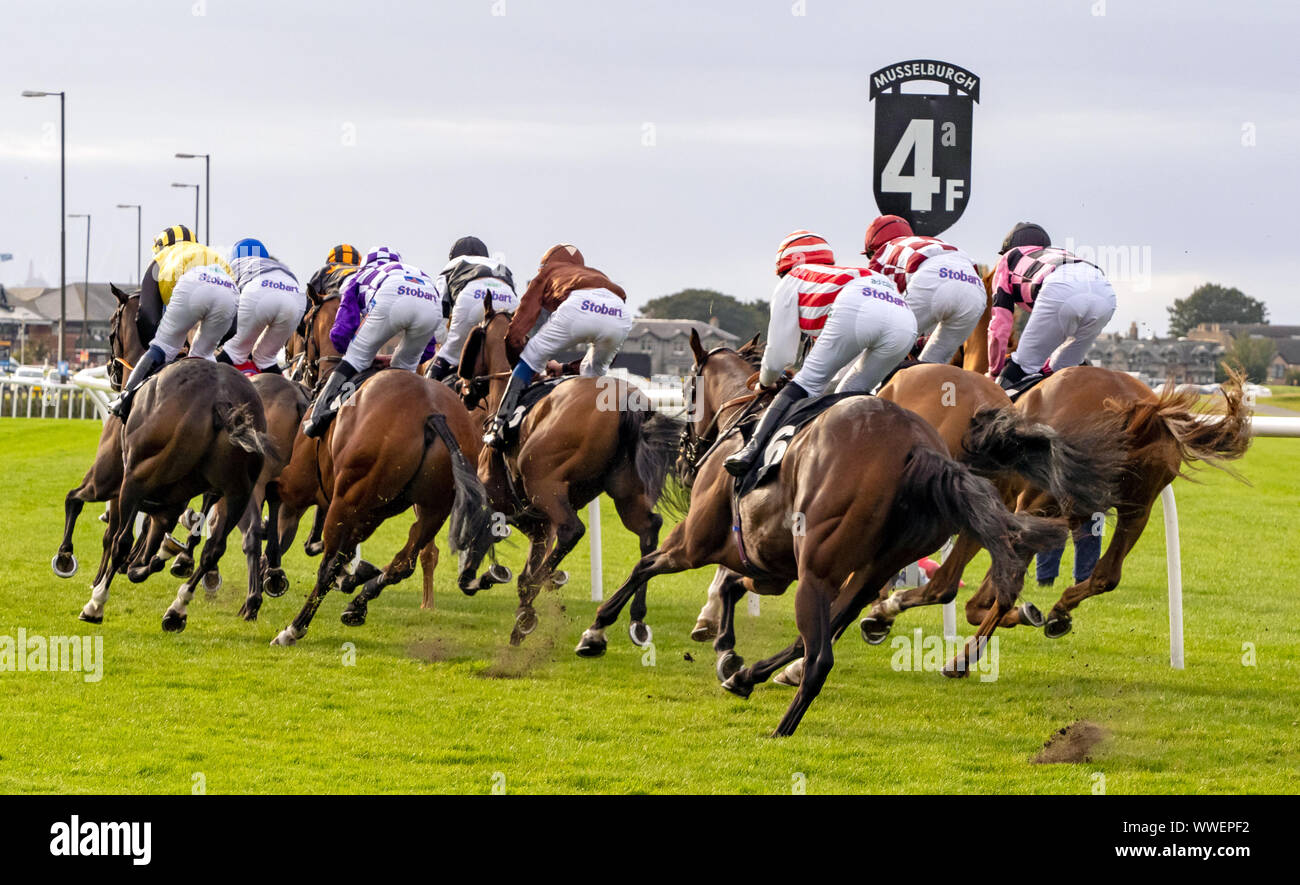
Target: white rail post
x=1174, y=566
x=949, y=608
x=593, y=522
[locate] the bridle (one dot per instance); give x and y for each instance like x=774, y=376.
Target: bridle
x=476, y=386
x=118, y=366
x=312, y=360
x=696, y=447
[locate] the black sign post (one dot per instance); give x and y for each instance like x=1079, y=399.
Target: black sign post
x=923, y=144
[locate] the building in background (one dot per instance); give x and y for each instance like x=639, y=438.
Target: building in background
x=31, y=323
x=668, y=343
x=1154, y=360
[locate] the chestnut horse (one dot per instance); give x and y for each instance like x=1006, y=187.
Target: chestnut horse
x=198, y=427
x=590, y=435
x=864, y=489
x=380, y=456
x=1157, y=434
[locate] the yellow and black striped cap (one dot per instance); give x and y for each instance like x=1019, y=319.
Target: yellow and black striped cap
x=344, y=254
x=177, y=233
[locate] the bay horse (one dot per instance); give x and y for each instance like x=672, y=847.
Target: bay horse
x=198, y=427
x=588, y=436
x=866, y=488
x=380, y=456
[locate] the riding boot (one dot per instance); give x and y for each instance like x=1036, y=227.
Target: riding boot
x=496, y=436
x=439, y=369
x=150, y=361
x=740, y=463
x=273, y=369
x=1014, y=379
x=323, y=409
x=223, y=357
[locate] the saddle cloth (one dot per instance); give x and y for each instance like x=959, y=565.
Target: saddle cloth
x=528, y=399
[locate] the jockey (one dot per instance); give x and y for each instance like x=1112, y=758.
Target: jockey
x=847, y=311
x=468, y=278
x=270, y=307
x=342, y=262
x=938, y=280
x=1070, y=299
x=587, y=308
x=186, y=284
x=393, y=298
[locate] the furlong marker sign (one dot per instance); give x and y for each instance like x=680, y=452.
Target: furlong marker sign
x=923, y=144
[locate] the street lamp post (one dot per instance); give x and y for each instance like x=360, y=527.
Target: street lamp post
x=63, y=208
x=196, y=204
x=139, y=242
x=207, y=193
x=85, y=289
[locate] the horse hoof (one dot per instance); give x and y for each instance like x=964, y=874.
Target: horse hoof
x=103, y=517
x=284, y=638
x=173, y=623
x=559, y=579
x=738, y=688
x=1029, y=614
x=248, y=611
x=525, y=622
x=314, y=548
x=791, y=676
x=137, y=574
x=276, y=583
x=728, y=663
x=639, y=633
x=353, y=618
x=874, y=630
x=705, y=631
x=212, y=582
x=90, y=619
x=590, y=647
x=953, y=671
x=1057, y=626
x=183, y=567
x=64, y=565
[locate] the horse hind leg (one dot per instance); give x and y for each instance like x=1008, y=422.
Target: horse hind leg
x=253, y=530
x=530, y=582
x=342, y=534
x=64, y=562
x=118, y=540
x=710, y=616
x=812, y=615
x=235, y=503
x=402, y=567
x=635, y=512
x=1105, y=576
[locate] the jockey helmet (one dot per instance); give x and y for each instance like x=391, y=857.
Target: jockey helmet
x=468, y=246
x=802, y=247
x=344, y=254
x=249, y=248
x=177, y=233
x=1025, y=233
x=563, y=254
x=882, y=230
x=381, y=255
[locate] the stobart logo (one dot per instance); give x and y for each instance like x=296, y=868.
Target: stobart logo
x=596, y=307
x=276, y=284
x=960, y=276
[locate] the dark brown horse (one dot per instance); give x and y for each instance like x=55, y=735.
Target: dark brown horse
x=590, y=435
x=397, y=443
x=197, y=427
x=862, y=491
x=319, y=355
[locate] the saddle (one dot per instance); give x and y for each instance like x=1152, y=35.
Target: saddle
x=1023, y=386
x=768, y=466
x=529, y=397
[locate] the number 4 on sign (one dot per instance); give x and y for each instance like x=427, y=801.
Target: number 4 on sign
x=918, y=139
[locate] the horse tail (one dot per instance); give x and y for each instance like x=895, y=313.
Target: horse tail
x=471, y=513
x=935, y=486
x=240, y=424
x=1170, y=417
x=651, y=440
x=1081, y=470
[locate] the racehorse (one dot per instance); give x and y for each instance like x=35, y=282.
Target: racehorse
x=319, y=355
x=1158, y=435
x=381, y=456
x=197, y=427
x=590, y=435
x=866, y=488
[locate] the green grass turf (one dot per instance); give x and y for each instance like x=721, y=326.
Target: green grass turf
x=437, y=701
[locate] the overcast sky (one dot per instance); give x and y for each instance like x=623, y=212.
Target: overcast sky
x=675, y=143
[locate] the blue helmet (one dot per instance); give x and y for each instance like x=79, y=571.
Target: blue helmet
x=249, y=248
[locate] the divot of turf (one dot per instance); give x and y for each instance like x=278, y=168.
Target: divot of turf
x=1073, y=743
